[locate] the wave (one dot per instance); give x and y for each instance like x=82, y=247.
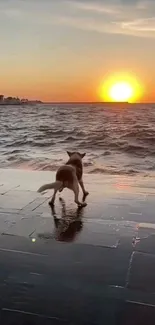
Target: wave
x=109, y=171
x=38, y=137
x=108, y=144
x=89, y=167
x=134, y=149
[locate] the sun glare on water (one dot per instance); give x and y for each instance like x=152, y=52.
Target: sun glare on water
x=120, y=89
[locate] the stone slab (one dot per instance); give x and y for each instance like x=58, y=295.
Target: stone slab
x=8, y=221
x=84, y=263
x=70, y=278
x=137, y=314
x=146, y=244
x=14, y=202
x=72, y=224
x=25, y=180
x=23, y=226
x=141, y=272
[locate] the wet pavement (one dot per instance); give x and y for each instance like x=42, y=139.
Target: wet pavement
x=94, y=265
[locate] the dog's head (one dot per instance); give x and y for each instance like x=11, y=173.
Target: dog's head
x=76, y=155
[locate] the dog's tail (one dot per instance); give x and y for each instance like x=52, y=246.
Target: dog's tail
x=55, y=185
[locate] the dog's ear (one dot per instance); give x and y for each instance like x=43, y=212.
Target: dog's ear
x=69, y=153
x=82, y=155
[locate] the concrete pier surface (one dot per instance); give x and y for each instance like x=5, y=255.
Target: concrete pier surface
x=94, y=265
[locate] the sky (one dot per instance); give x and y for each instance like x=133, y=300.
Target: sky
x=62, y=50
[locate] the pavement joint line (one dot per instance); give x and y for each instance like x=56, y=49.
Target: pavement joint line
x=12, y=188
x=145, y=253
x=21, y=252
x=7, y=234
x=37, y=274
x=24, y=208
x=32, y=314
x=27, y=204
x=136, y=213
x=140, y=303
x=40, y=204
x=13, y=211
x=32, y=233
x=129, y=269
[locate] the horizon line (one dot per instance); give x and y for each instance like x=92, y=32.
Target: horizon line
x=94, y=102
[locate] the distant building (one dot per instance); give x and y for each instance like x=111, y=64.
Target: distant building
x=16, y=101
x=1, y=98
x=24, y=101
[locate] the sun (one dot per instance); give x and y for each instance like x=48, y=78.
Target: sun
x=121, y=92
x=120, y=88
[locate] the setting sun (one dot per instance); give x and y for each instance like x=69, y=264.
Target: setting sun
x=120, y=88
x=121, y=92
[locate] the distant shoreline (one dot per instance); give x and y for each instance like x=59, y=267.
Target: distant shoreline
x=20, y=104
x=61, y=103
x=4, y=101
x=72, y=103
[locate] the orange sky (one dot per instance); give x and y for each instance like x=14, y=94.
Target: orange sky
x=62, y=50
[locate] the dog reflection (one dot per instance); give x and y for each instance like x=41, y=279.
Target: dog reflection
x=69, y=225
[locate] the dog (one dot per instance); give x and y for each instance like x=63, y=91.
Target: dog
x=69, y=176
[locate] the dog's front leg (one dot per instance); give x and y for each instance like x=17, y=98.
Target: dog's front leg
x=75, y=188
x=85, y=193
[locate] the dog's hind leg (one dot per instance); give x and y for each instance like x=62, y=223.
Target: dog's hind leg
x=75, y=189
x=65, y=184
x=51, y=203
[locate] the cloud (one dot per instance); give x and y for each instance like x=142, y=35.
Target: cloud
x=128, y=17
x=94, y=7
x=141, y=28
x=144, y=25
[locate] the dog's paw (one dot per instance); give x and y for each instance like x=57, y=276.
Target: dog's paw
x=84, y=196
x=82, y=205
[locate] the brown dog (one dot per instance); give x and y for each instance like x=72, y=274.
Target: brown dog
x=70, y=176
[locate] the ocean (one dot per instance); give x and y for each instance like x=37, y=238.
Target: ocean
x=119, y=139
